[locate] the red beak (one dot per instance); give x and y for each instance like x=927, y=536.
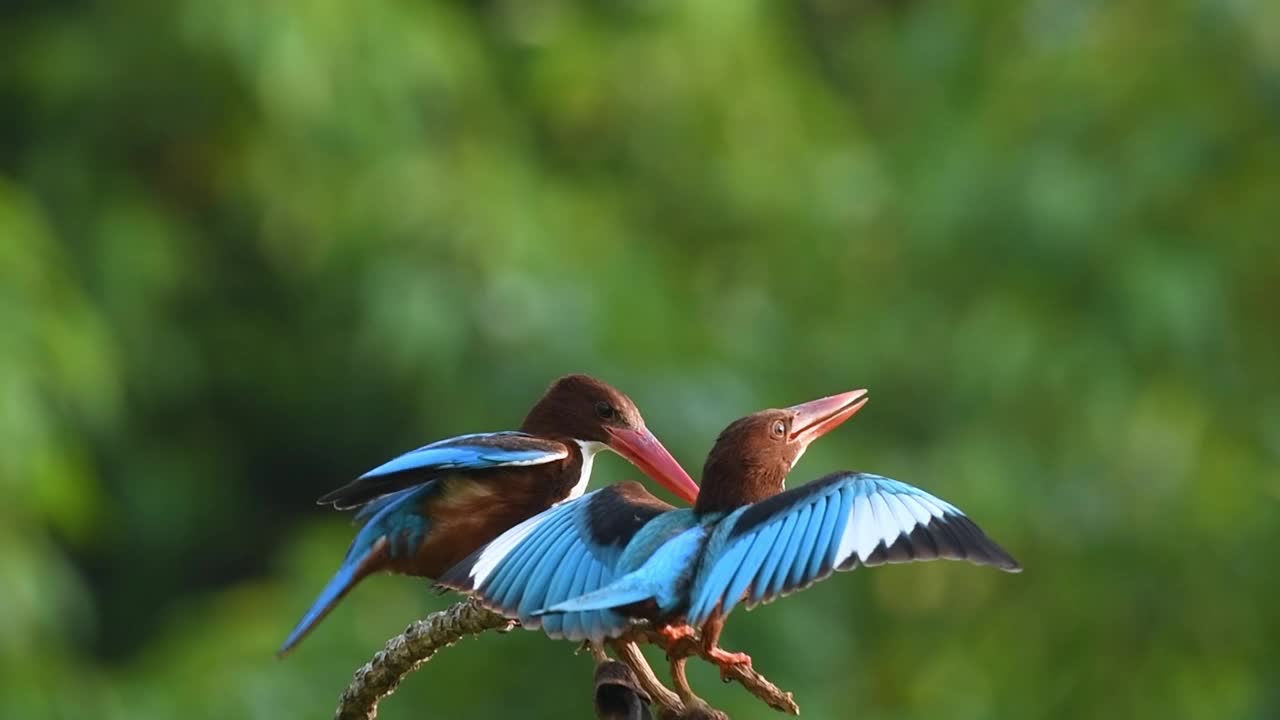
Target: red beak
x=644, y=451
x=819, y=417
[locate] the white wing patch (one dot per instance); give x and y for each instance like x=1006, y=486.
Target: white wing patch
x=863, y=525
x=888, y=524
x=901, y=515
x=883, y=517
x=916, y=506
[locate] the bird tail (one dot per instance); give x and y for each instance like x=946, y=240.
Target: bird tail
x=371, y=551
x=357, y=567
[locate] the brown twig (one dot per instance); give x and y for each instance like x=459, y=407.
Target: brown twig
x=747, y=677
x=680, y=680
x=630, y=654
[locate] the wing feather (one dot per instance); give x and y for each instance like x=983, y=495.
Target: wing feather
x=752, y=565
x=524, y=558
x=550, y=556
x=462, y=454
x=779, y=582
x=838, y=522
x=773, y=562
x=562, y=553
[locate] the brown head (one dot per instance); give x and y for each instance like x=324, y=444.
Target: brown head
x=752, y=457
x=586, y=410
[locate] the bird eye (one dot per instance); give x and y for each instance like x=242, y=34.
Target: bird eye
x=779, y=429
x=605, y=411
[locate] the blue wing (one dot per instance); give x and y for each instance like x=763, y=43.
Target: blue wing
x=464, y=453
x=566, y=551
x=661, y=579
x=792, y=540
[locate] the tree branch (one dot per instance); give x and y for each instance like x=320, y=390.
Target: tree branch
x=622, y=685
x=630, y=654
x=747, y=677
x=404, y=653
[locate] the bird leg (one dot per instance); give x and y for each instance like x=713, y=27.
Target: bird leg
x=711, y=648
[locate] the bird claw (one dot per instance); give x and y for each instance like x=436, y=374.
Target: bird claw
x=675, y=633
x=727, y=661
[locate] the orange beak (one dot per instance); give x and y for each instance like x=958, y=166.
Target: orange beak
x=819, y=417
x=643, y=450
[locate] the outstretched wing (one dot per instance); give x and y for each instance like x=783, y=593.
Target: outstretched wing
x=792, y=540
x=561, y=553
x=464, y=453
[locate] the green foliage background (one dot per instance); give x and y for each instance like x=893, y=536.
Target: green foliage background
x=251, y=249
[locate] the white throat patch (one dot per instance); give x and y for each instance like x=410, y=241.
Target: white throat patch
x=589, y=450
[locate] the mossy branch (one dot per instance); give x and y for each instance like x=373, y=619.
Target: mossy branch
x=407, y=651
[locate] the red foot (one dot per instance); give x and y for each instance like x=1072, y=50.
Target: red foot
x=727, y=660
x=675, y=633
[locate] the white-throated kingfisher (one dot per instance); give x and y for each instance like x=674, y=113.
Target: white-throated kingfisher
x=590, y=568
x=429, y=508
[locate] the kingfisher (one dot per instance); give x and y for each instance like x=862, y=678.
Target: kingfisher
x=589, y=569
x=429, y=508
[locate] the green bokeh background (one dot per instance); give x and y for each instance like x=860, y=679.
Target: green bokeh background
x=250, y=249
